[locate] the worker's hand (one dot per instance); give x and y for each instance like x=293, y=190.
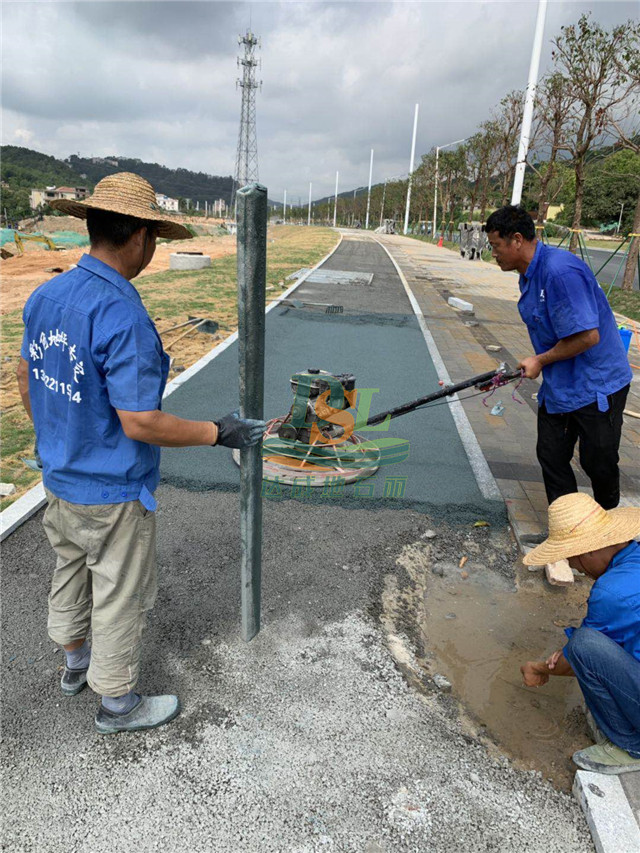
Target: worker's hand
x=553, y=659
x=534, y=673
x=532, y=366
x=234, y=431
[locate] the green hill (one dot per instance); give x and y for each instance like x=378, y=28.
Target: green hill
x=22, y=169
x=176, y=183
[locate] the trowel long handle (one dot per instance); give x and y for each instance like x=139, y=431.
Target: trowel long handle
x=447, y=391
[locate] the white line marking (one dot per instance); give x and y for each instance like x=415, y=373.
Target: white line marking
x=481, y=471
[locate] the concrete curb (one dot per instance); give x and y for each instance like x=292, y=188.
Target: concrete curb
x=611, y=821
x=33, y=500
x=481, y=471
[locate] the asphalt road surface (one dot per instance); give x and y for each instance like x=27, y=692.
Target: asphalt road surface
x=613, y=270
x=378, y=339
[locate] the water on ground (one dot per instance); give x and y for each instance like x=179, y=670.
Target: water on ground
x=480, y=630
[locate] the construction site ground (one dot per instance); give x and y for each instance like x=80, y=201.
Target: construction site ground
x=332, y=729
x=171, y=298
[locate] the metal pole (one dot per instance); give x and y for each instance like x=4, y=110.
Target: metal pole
x=252, y=274
x=309, y=211
x=619, y=219
x=413, y=154
x=435, y=195
x=335, y=205
x=527, y=115
x=366, y=224
x=284, y=208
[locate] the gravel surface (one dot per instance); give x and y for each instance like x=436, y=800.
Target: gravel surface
x=308, y=738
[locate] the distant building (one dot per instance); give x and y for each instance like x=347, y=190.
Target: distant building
x=166, y=203
x=38, y=198
x=107, y=160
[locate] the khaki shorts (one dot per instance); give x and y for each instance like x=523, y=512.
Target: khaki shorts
x=105, y=579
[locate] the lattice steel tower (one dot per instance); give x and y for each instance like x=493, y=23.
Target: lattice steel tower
x=247, y=156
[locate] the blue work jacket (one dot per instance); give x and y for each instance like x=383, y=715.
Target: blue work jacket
x=613, y=607
x=92, y=348
x=559, y=297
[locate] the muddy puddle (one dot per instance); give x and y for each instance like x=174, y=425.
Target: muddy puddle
x=476, y=626
x=480, y=630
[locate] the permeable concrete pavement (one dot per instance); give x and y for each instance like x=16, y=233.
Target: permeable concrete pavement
x=308, y=738
x=378, y=339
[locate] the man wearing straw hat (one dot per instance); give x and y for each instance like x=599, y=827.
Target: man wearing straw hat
x=604, y=652
x=92, y=376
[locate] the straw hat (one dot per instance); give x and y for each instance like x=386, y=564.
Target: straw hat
x=578, y=524
x=129, y=194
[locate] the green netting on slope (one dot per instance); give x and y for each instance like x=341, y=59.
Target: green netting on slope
x=68, y=239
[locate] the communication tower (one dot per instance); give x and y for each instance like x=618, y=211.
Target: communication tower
x=247, y=156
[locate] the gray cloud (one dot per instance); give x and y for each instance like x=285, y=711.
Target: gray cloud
x=156, y=80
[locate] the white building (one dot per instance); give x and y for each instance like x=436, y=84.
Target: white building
x=38, y=198
x=166, y=203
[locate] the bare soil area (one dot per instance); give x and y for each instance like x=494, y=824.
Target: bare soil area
x=22, y=274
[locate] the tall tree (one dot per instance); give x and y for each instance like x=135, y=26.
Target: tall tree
x=554, y=103
x=508, y=121
x=624, y=124
x=586, y=55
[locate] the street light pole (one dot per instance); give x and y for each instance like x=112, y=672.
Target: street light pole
x=527, y=115
x=366, y=224
x=413, y=154
x=620, y=218
x=335, y=204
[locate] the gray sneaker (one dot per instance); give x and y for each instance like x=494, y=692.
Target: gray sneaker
x=73, y=681
x=149, y=713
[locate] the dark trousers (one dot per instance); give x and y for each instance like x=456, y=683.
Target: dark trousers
x=599, y=436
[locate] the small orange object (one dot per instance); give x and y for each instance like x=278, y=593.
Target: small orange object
x=462, y=562
x=441, y=242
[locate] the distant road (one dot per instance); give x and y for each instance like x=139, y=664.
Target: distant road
x=599, y=256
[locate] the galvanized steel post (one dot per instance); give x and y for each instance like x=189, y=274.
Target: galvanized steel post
x=252, y=270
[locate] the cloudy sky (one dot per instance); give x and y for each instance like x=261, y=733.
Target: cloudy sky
x=156, y=79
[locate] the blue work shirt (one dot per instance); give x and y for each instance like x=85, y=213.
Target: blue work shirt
x=561, y=297
x=613, y=606
x=92, y=348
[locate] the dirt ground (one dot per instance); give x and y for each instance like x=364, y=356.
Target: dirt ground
x=20, y=275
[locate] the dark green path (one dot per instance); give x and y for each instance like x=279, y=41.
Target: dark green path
x=378, y=339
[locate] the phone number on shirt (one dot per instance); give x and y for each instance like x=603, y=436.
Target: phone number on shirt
x=54, y=385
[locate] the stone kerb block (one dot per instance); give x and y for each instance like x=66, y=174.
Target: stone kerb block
x=189, y=261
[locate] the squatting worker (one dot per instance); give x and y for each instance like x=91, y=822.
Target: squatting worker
x=585, y=369
x=604, y=652
x=91, y=376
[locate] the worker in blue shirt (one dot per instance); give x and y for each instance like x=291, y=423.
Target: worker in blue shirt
x=604, y=652
x=579, y=351
x=92, y=374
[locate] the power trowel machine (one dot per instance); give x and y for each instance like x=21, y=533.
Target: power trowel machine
x=317, y=439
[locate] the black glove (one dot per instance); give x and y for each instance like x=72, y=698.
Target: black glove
x=234, y=431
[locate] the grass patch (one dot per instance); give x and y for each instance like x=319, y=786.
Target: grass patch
x=625, y=302
x=170, y=297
